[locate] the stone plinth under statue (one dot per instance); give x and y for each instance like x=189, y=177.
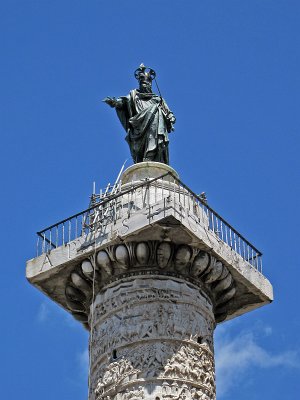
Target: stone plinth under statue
x=150, y=274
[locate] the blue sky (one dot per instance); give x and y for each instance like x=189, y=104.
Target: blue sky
x=230, y=72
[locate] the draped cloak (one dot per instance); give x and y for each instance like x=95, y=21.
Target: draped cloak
x=143, y=116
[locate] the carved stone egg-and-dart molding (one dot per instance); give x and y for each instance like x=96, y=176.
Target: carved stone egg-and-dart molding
x=154, y=258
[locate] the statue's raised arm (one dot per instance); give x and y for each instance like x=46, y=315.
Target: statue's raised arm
x=146, y=119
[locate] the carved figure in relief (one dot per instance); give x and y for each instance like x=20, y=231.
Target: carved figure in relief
x=177, y=393
x=179, y=325
x=135, y=394
x=185, y=392
x=114, y=374
x=146, y=329
x=191, y=364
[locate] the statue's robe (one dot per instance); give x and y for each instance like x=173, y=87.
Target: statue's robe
x=143, y=116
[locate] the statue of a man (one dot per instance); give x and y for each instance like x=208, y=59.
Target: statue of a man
x=146, y=118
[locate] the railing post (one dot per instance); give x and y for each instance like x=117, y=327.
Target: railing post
x=63, y=233
x=174, y=197
x=50, y=239
x=44, y=242
x=217, y=223
x=128, y=205
x=221, y=227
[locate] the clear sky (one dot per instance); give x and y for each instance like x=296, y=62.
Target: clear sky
x=229, y=70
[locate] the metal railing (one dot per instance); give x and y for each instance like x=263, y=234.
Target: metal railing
x=133, y=198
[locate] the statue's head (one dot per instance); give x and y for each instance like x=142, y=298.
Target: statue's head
x=145, y=76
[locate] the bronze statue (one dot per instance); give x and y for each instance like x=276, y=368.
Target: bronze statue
x=146, y=118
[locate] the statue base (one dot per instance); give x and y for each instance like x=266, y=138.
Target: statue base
x=146, y=170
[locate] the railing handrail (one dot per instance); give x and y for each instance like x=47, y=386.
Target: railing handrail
x=218, y=216
x=144, y=183
x=106, y=200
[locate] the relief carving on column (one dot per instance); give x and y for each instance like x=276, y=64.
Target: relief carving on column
x=144, y=309
x=145, y=322
x=172, y=391
x=152, y=337
x=190, y=367
x=196, y=365
x=151, y=330
x=115, y=374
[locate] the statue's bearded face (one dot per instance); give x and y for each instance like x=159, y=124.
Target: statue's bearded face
x=145, y=84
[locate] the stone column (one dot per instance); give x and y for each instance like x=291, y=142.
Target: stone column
x=152, y=339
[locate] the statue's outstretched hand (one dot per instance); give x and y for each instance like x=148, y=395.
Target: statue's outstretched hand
x=111, y=101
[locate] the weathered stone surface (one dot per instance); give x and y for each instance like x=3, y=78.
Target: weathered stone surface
x=150, y=336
